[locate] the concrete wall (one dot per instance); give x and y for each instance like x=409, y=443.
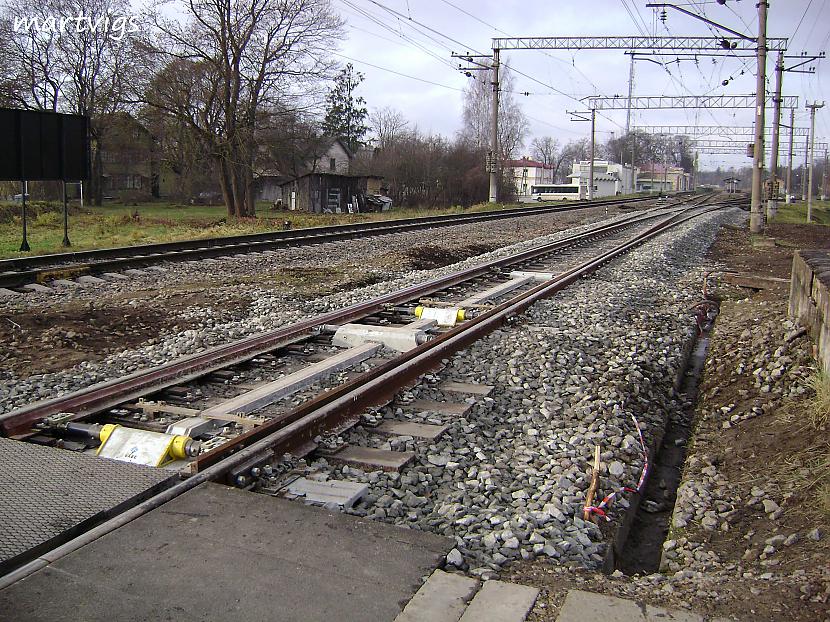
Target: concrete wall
x=810, y=299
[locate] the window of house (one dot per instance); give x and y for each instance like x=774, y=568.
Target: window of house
x=332, y=164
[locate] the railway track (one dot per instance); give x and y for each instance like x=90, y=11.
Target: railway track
x=434, y=320
x=21, y=271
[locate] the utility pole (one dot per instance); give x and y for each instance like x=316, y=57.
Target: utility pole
x=790, y=161
x=756, y=213
x=772, y=200
x=806, y=162
x=812, y=107
x=591, y=164
x=494, y=131
x=630, y=93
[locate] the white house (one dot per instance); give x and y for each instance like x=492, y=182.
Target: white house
x=610, y=178
x=526, y=173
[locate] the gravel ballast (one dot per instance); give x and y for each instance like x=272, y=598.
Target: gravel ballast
x=508, y=479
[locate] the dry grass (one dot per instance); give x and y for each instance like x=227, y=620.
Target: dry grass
x=819, y=410
x=808, y=470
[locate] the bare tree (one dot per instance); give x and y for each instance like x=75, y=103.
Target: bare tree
x=386, y=124
x=513, y=124
x=80, y=66
x=228, y=62
x=545, y=149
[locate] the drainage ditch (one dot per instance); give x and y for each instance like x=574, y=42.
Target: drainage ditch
x=643, y=547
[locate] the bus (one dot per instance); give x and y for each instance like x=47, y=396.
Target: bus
x=556, y=192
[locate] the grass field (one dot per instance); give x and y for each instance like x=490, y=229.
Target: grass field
x=796, y=213
x=123, y=225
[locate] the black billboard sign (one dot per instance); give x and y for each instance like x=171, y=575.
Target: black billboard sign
x=37, y=145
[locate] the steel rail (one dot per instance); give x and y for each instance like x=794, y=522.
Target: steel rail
x=378, y=387
x=98, y=397
x=19, y=271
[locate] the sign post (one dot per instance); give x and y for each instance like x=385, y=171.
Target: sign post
x=66, y=241
x=39, y=145
x=24, y=245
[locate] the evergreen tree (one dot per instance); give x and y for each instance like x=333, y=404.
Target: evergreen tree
x=346, y=114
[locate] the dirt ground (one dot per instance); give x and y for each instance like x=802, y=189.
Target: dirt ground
x=777, y=451
x=50, y=339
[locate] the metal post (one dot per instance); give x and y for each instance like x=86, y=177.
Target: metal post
x=756, y=215
x=66, y=241
x=494, y=130
x=824, y=178
x=591, y=164
x=772, y=200
x=806, y=162
x=24, y=245
x=630, y=93
x=665, y=168
x=790, y=161
x=813, y=108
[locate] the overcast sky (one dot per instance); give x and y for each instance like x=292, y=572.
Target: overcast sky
x=381, y=42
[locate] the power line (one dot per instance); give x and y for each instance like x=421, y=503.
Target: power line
x=398, y=73
x=803, y=15
x=415, y=21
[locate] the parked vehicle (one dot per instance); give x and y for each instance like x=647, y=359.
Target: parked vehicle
x=555, y=192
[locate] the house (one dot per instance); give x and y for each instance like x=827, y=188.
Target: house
x=659, y=178
x=330, y=156
x=610, y=178
x=526, y=173
x=128, y=162
x=329, y=192
x=336, y=159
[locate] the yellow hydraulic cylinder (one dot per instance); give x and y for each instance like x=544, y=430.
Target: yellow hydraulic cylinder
x=144, y=446
x=460, y=314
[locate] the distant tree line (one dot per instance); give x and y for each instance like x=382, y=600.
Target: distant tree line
x=230, y=90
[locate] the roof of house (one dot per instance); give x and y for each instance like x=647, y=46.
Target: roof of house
x=328, y=174
x=345, y=146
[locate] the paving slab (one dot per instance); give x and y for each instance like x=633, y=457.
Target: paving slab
x=469, y=388
x=499, y=601
x=443, y=598
x=443, y=408
x=336, y=491
x=407, y=428
x=580, y=605
x=373, y=459
x=219, y=554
